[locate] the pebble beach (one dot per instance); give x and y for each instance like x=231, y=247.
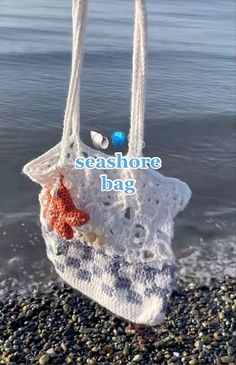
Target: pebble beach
x=61, y=326
x=189, y=123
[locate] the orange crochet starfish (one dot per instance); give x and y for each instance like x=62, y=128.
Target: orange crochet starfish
x=61, y=213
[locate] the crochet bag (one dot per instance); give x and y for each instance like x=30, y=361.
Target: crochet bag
x=114, y=248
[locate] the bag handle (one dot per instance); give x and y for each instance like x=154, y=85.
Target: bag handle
x=72, y=112
x=137, y=108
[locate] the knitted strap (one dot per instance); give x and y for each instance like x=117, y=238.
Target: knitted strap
x=136, y=133
x=72, y=114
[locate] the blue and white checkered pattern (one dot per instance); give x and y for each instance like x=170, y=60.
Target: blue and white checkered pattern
x=131, y=290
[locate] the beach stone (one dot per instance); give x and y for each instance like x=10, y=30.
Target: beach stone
x=107, y=349
x=217, y=336
x=90, y=361
x=44, y=359
x=64, y=347
x=221, y=315
x=74, y=318
x=137, y=358
x=130, y=330
x=25, y=308
x=226, y=359
x=192, y=329
x=198, y=345
x=95, y=349
x=159, y=344
x=69, y=359
x=231, y=350
x=193, y=361
x=176, y=354
x=50, y=351
x=192, y=286
x=126, y=351
x=224, y=288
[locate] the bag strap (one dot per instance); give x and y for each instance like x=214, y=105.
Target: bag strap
x=71, y=129
x=136, y=133
x=72, y=112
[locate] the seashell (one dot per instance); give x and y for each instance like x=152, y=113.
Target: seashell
x=100, y=240
x=99, y=141
x=90, y=237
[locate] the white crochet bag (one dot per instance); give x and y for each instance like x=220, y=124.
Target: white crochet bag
x=122, y=257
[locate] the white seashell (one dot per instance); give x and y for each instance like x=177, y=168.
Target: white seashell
x=100, y=240
x=90, y=237
x=99, y=141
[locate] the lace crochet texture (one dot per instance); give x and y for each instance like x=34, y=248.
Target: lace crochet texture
x=132, y=272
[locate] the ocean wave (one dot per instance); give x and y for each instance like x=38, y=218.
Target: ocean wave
x=198, y=264
x=19, y=277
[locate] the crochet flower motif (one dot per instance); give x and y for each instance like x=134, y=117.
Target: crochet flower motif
x=61, y=214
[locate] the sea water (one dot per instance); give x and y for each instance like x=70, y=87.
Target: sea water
x=190, y=116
